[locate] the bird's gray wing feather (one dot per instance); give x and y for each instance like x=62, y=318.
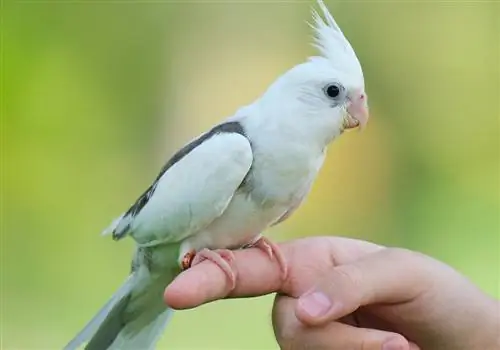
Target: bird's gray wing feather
x=191, y=193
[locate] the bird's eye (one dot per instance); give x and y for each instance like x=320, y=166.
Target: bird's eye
x=333, y=90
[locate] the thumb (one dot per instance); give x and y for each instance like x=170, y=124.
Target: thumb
x=292, y=334
x=391, y=275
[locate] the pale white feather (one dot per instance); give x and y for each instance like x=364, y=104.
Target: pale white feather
x=333, y=44
x=194, y=191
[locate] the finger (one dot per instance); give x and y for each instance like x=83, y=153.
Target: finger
x=307, y=259
x=339, y=336
x=388, y=276
x=256, y=274
x=292, y=334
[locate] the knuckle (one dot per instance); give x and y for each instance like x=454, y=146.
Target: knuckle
x=346, y=282
x=339, y=278
x=350, y=274
x=350, y=277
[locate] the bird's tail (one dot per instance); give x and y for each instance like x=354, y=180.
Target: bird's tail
x=133, y=318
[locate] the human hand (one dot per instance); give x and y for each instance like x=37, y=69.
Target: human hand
x=349, y=294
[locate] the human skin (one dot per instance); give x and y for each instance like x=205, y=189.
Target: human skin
x=349, y=294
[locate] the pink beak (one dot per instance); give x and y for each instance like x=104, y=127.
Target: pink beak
x=358, y=112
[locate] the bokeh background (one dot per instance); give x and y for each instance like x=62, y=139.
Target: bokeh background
x=96, y=95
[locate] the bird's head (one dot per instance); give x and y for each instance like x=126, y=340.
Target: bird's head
x=325, y=94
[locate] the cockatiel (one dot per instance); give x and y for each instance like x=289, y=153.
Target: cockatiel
x=225, y=187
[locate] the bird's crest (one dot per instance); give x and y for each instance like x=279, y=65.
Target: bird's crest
x=332, y=44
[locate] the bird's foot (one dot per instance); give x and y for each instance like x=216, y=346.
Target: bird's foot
x=223, y=258
x=272, y=251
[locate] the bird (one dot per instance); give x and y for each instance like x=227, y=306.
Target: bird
x=224, y=188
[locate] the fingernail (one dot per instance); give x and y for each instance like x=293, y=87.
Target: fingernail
x=315, y=304
x=393, y=344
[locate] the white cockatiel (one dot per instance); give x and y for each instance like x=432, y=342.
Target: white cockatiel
x=224, y=188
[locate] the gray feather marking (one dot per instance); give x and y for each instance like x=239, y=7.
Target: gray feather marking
x=110, y=328
x=229, y=127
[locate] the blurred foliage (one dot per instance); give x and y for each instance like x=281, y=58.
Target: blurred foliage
x=97, y=94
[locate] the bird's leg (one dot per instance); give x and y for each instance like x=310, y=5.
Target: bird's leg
x=272, y=251
x=220, y=257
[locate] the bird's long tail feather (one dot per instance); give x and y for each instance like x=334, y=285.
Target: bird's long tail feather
x=91, y=327
x=133, y=318
x=145, y=339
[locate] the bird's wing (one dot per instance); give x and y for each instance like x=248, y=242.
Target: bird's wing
x=192, y=190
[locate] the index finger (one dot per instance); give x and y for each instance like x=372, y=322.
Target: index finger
x=205, y=282
x=257, y=275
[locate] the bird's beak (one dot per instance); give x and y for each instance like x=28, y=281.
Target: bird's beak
x=357, y=112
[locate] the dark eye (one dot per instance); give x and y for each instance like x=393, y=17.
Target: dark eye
x=332, y=90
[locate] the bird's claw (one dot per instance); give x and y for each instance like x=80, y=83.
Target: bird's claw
x=187, y=259
x=223, y=258
x=272, y=250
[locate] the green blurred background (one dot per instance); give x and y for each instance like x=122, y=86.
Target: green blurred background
x=96, y=95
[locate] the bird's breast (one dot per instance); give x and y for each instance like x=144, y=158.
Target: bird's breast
x=283, y=177
x=273, y=186
x=239, y=224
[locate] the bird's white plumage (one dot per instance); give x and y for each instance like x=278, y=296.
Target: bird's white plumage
x=194, y=191
x=333, y=44
x=233, y=182
x=282, y=173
